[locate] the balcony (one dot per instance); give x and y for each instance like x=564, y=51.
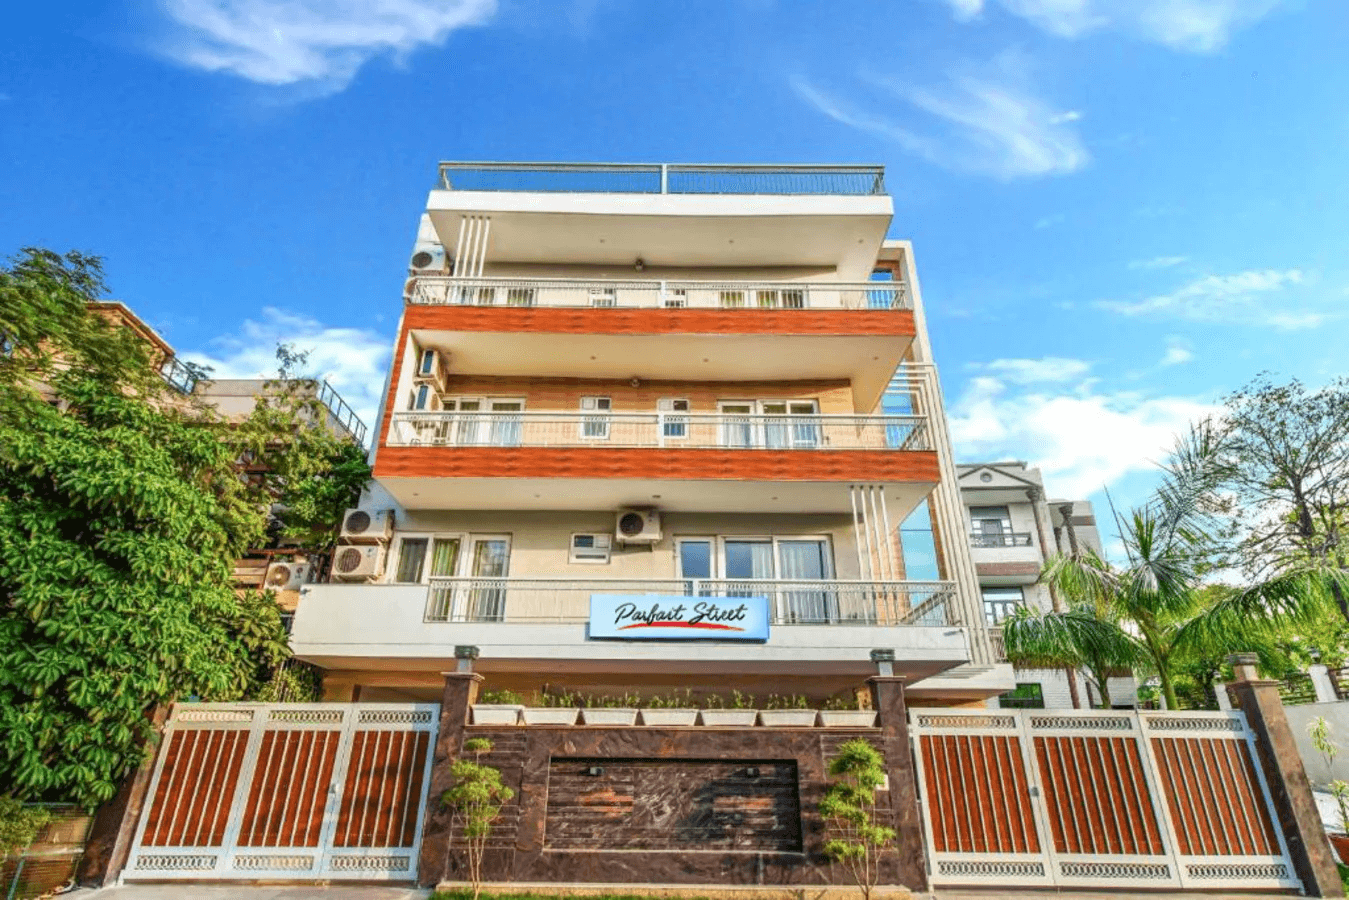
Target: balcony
x=539, y=624
x=691, y=461
x=1005, y=539
x=663, y=178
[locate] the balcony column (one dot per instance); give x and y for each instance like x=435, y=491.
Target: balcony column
x=461, y=690
x=887, y=697
x=1038, y=507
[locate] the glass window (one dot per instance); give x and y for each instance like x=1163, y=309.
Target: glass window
x=992, y=523
x=748, y=558
x=1001, y=602
x=411, y=559
x=519, y=296
x=603, y=297
x=732, y=299
x=595, y=427
x=487, y=599
x=675, y=426
x=695, y=557
x=677, y=298
x=444, y=557
x=1028, y=695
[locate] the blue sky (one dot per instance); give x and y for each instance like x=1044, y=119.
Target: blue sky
x=1121, y=209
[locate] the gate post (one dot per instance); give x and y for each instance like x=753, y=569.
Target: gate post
x=1287, y=779
x=461, y=689
x=887, y=694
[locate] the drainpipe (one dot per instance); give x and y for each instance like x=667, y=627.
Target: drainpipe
x=1036, y=497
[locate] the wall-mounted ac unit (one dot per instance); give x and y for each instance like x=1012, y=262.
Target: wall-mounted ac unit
x=362, y=527
x=287, y=576
x=637, y=526
x=431, y=368
x=429, y=259
x=358, y=563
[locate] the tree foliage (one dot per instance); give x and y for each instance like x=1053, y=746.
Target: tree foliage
x=19, y=824
x=476, y=799
x=121, y=511
x=856, y=838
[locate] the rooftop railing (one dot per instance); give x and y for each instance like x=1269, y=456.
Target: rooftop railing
x=791, y=602
x=341, y=412
x=662, y=178
x=725, y=431
x=652, y=294
x=178, y=375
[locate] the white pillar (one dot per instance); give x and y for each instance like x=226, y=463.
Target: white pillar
x=1325, y=688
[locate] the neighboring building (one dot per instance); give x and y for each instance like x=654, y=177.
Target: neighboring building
x=661, y=386
x=1014, y=530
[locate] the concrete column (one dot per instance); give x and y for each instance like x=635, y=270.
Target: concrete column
x=1220, y=693
x=887, y=695
x=461, y=689
x=1312, y=857
x=1325, y=688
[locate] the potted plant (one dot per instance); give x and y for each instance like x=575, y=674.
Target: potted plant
x=1318, y=730
x=553, y=709
x=786, y=710
x=609, y=710
x=846, y=712
x=736, y=710
x=672, y=709
x=498, y=707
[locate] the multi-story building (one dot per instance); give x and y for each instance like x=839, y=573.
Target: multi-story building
x=642, y=384
x=1015, y=528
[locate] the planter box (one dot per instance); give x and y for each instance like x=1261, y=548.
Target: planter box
x=549, y=715
x=669, y=717
x=496, y=713
x=742, y=718
x=1341, y=844
x=789, y=718
x=613, y=716
x=847, y=718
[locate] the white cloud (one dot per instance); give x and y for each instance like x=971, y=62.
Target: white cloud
x=1036, y=371
x=1254, y=297
x=1176, y=354
x=1199, y=26
x=318, y=43
x=1082, y=439
x=353, y=360
x=987, y=120
x=1158, y=262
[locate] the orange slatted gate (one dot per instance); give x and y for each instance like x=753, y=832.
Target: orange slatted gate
x=297, y=791
x=1095, y=799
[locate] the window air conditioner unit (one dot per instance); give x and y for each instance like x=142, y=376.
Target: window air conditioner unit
x=637, y=526
x=428, y=259
x=431, y=367
x=358, y=563
x=361, y=527
x=287, y=576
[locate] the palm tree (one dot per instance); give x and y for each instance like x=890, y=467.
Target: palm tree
x=1151, y=613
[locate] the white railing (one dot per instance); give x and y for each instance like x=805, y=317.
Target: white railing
x=658, y=429
x=1005, y=539
x=663, y=178
x=651, y=294
x=804, y=602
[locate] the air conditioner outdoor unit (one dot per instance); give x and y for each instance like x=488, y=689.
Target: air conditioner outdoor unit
x=358, y=563
x=287, y=576
x=431, y=367
x=428, y=259
x=637, y=526
x=362, y=527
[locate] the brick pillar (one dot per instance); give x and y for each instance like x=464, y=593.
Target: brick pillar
x=1313, y=860
x=114, y=825
x=461, y=689
x=887, y=694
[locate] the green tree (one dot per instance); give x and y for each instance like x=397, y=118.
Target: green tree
x=1082, y=637
x=121, y=511
x=19, y=824
x=856, y=839
x=476, y=799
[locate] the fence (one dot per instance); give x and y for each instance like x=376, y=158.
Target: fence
x=746, y=296
x=1096, y=799
x=802, y=602
x=662, y=178
x=50, y=862
x=287, y=791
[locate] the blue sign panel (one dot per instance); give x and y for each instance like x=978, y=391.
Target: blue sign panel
x=666, y=617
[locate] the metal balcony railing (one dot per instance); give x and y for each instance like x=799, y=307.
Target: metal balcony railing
x=341, y=412
x=1005, y=539
x=662, y=178
x=659, y=429
x=997, y=645
x=801, y=602
x=651, y=294
x=178, y=375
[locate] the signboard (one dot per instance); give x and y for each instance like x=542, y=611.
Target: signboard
x=666, y=617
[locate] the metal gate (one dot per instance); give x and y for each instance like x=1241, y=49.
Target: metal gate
x=291, y=790
x=1096, y=799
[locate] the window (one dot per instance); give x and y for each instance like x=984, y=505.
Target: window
x=767, y=299
x=426, y=364
x=595, y=427
x=603, y=297
x=678, y=298
x=487, y=296
x=732, y=299
x=1001, y=602
x=590, y=548
x=413, y=552
x=783, y=568
x=1028, y=695
x=519, y=296
x=794, y=299
x=881, y=298
x=991, y=524
x=675, y=426
x=422, y=398
x=411, y=560
x=775, y=424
